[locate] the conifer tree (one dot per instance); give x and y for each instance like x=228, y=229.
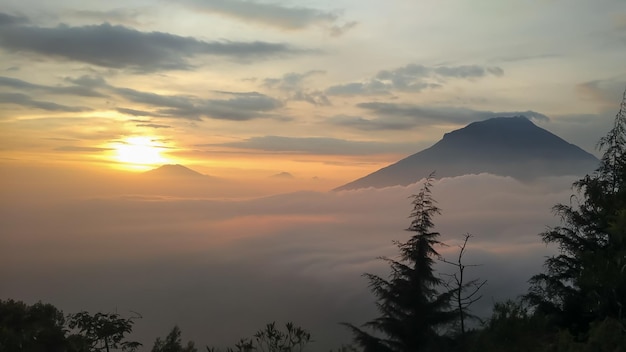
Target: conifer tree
x=586, y=281
x=411, y=308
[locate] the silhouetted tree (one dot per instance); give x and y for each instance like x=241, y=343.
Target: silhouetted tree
x=411, y=308
x=586, y=281
x=464, y=293
x=271, y=339
x=38, y=327
x=102, y=331
x=173, y=343
x=512, y=327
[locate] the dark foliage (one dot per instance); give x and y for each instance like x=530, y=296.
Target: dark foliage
x=36, y=328
x=173, y=343
x=272, y=339
x=411, y=308
x=586, y=281
x=101, y=332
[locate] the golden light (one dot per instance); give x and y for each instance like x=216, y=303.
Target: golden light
x=139, y=153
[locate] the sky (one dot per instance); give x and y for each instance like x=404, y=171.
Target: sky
x=322, y=90
x=93, y=93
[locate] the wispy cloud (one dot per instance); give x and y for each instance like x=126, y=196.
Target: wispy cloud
x=276, y=15
x=234, y=106
x=291, y=80
x=119, y=47
x=239, y=106
x=81, y=89
x=604, y=91
x=398, y=116
x=412, y=78
x=127, y=16
x=26, y=101
x=71, y=148
x=292, y=83
x=319, y=145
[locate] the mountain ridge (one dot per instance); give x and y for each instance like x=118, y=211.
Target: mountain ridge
x=175, y=170
x=506, y=146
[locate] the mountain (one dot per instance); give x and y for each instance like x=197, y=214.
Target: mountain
x=506, y=146
x=174, y=170
x=283, y=175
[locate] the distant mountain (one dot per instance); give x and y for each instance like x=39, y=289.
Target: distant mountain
x=174, y=170
x=283, y=175
x=507, y=146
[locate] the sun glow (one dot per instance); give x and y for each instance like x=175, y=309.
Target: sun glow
x=139, y=153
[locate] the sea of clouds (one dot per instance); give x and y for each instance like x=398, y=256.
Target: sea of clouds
x=222, y=268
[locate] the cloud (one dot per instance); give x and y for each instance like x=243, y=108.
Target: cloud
x=372, y=87
x=467, y=71
x=339, y=30
x=378, y=124
x=75, y=90
x=316, y=98
x=275, y=15
x=27, y=101
x=607, y=92
x=221, y=269
x=152, y=125
x=133, y=112
x=319, y=145
x=412, y=78
x=239, y=107
x=119, y=15
x=292, y=82
x=236, y=106
x=126, y=48
x=398, y=116
x=6, y=19
x=524, y=57
x=87, y=81
x=620, y=21
x=81, y=149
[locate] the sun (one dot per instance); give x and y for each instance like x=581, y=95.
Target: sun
x=139, y=153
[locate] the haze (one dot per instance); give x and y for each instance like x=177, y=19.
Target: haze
x=277, y=103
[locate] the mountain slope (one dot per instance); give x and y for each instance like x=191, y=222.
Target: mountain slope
x=174, y=170
x=507, y=146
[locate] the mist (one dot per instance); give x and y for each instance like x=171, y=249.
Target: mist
x=221, y=267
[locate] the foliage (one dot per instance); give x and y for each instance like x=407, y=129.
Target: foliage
x=512, y=327
x=271, y=339
x=173, y=343
x=411, y=309
x=608, y=335
x=586, y=281
x=36, y=328
x=102, y=331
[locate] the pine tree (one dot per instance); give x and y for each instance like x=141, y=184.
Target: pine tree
x=586, y=281
x=411, y=308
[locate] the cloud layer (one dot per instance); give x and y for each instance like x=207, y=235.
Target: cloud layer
x=221, y=269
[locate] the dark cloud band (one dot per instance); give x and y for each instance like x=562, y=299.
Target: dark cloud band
x=111, y=46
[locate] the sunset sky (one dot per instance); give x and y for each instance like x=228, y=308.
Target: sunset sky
x=325, y=90
x=93, y=92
